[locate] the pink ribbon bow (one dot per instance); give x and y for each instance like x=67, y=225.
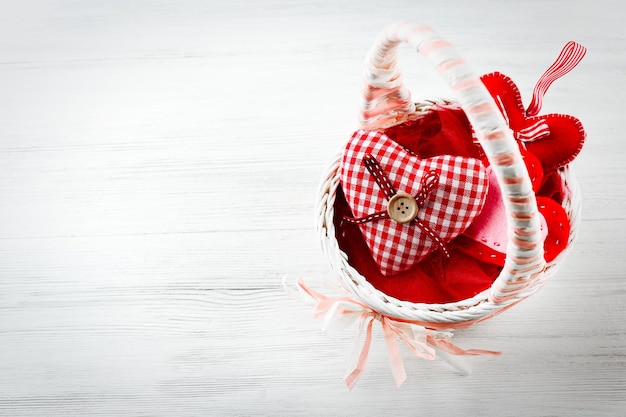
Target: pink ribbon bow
x=344, y=310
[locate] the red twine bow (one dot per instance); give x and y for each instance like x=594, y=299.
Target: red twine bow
x=428, y=184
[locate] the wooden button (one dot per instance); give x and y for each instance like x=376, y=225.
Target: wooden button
x=402, y=208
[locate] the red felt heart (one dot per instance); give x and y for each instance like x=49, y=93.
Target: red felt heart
x=555, y=146
x=455, y=200
x=558, y=227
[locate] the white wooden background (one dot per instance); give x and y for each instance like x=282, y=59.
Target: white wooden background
x=159, y=163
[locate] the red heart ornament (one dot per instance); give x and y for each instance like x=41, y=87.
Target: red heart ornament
x=451, y=205
x=558, y=227
x=556, y=139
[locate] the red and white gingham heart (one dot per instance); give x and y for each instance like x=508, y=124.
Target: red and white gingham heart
x=447, y=210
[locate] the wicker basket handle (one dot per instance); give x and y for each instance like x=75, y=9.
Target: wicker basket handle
x=386, y=102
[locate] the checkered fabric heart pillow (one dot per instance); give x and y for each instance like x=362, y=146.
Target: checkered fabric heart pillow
x=407, y=207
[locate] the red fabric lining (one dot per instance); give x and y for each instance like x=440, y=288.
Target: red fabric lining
x=434, y=280
x=443, y=131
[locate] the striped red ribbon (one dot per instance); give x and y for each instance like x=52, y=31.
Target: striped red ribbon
x=571, y=54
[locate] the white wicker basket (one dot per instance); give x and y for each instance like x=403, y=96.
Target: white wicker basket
x=386, y=102
x=504, y=293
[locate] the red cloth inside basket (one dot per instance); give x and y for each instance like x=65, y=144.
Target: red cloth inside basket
x=436, y=279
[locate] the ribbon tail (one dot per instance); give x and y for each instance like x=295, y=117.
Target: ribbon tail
x=338, y=317
x=449, y=347
x=311, y=293
x=571, y=54
x=288, y=289
x=357, y=369
x=415, y=339
x=433, y=235
x=395, y=357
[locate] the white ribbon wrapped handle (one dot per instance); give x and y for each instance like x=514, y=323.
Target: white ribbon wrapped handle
x=386, y=102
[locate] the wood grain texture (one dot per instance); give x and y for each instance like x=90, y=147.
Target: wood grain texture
x=159, y=163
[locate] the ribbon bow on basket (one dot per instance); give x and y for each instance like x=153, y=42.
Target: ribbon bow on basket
x=337, y=313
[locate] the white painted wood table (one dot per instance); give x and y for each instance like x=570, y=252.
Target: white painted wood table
x=159, y=164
